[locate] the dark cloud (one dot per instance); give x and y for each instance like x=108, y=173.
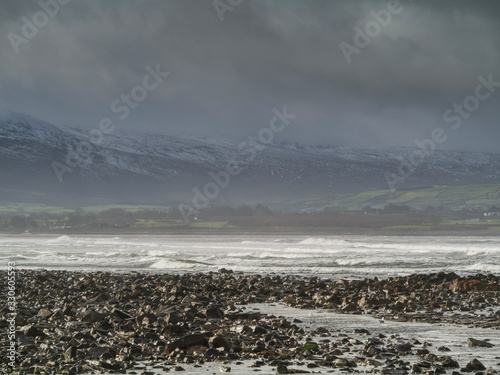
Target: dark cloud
x=226, y=77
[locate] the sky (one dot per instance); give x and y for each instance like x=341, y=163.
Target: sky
x=359, y=73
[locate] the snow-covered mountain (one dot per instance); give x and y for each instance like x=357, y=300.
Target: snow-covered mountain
x=41, y=162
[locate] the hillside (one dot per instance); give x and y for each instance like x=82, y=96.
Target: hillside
x=137, y=168
x=451, y=197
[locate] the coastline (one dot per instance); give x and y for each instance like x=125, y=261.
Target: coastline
x=78, y=322
x=459, y=232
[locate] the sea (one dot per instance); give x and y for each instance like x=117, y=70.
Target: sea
x=323, y=256
x=332, y=257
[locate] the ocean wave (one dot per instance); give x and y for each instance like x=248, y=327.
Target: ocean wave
x=181, y=265
x=161, y=253
x=483, y=267
x=60, y=239
x=323, y=241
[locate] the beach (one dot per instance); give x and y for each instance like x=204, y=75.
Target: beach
x=83, y=322
x=271, y=304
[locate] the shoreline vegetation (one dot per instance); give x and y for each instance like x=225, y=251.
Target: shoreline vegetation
x=78, y=322
x=389, y=220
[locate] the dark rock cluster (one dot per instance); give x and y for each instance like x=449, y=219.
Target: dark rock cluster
x=72, y=322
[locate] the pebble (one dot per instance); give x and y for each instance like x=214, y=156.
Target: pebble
x=94, y=322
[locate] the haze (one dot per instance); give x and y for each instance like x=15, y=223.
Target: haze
x=227, y=73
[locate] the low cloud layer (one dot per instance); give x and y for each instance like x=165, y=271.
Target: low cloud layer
x=225, y=77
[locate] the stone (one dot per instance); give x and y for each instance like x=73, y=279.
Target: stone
x=92, y=316
x=70, y=353
x=196, y=349
x=214, y=312
x=372, y=362
x=259, y=330
x=343, y=362
x=44, y=313
x=362, y=331
x=448, y=362
x=187, y=341
x=32, y=331
x=475, y=365
x=444, y=349
x=121, y=314
x=220, y=341
x=473, y=343
x=404, y=348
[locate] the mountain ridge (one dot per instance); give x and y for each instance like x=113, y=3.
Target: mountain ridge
x=152, y=168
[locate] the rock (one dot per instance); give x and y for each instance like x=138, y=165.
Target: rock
x=220, y=341
x=115, y=366
x=244, y=316
x=444, y=349
x=343, y=362
x=282, y=369
x=362, y=331
x=147, y=318
x=393, y=371
x=92, y=316
x=214, y=312
x=32, y=331
x=475, y=365
x=44, y=313
x=404, y=348
x=187, y=341
x=172, y=318
x=448, y=362
x=107, y=355
x=416, y=369
x=70, y=353
x=121, y=314
x=322, y=330
x=196, y=349
x=67, y=310
x=473, y=343
x=349, y=307
x=310, y=346
x=422, y=352
x=375, y=341
x=95, y=352
x=372, y=362
x=259, y=330
x=64, y=372
x=225, y=369
x=243, y=328
x=259, y=347
x=439, y=370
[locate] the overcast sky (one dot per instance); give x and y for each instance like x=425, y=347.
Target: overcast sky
x=226, y=76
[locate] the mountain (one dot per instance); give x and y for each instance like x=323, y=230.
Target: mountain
x=137, y=168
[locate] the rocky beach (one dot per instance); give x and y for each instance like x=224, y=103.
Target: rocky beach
x=71, y=322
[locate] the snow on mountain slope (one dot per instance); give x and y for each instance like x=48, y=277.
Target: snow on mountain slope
x=137, y=166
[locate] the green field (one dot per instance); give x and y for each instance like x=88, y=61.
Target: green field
x=128, y=208
x=451, y=197
x=39, y=208
x=11, y=208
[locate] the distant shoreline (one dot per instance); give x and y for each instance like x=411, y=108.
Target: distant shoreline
x=459, y=232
